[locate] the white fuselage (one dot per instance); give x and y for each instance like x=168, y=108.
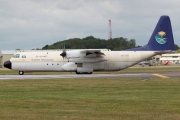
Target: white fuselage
x=52, y=61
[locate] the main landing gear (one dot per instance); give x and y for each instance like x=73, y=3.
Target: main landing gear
x=83, y=72
x=21, y=72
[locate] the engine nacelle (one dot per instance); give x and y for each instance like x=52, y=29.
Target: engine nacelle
x=81, y=53
x=75, y=54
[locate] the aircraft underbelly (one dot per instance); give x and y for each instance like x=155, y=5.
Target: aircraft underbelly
x=37, y=66
x=58, y=66
x=117, y=65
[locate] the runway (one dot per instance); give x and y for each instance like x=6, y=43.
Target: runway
x=133, y=75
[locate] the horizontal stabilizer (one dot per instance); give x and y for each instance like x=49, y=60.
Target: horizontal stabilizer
x=164, y=52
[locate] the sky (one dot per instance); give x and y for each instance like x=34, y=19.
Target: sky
x=28, y=24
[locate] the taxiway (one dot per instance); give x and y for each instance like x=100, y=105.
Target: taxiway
x=133, y=75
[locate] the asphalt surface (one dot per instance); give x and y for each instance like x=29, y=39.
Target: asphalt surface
x=133, y=75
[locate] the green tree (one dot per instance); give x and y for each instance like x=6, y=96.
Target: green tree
x=176, y=46
x=91, y=42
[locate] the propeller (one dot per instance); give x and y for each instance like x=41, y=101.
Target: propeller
x=63, y=54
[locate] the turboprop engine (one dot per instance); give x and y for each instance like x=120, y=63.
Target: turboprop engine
x=81, y=53
x=82, y=61
x=72, y=54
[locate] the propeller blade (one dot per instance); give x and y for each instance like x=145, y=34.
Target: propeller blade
x=63, y=54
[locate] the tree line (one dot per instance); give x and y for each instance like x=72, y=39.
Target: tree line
x=91, y=42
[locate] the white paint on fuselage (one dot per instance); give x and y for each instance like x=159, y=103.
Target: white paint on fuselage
x=52, y=61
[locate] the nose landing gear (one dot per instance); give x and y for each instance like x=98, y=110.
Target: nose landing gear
x=21, y=72
x=83, y=72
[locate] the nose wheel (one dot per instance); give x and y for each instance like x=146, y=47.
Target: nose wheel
x=21, y=72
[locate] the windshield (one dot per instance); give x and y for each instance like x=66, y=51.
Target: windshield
x=16, y=56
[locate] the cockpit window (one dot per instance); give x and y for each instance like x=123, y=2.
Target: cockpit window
x=16, y=56
x=24, y=56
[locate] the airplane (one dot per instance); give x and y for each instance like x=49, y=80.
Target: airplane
x=90, y=60
x=148, y=62
x=166, y=63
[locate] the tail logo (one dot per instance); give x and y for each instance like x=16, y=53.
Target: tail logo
x=160, y=37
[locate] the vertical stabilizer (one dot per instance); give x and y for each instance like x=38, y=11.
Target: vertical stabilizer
x=162, y=37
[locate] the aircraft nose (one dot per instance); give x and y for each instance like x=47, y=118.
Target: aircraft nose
x=7, y=64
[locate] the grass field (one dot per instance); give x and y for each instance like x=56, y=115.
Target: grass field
x=90, y=99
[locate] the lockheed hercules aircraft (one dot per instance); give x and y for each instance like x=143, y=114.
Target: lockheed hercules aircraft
x=90, y=60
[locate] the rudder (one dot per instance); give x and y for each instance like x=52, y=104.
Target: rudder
x=162, y=37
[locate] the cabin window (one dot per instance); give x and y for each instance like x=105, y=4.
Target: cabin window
x=16, y=56
x=23, y=56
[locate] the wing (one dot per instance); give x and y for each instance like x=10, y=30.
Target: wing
x=84, y=56
x=81, y=53
x=92, y=53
